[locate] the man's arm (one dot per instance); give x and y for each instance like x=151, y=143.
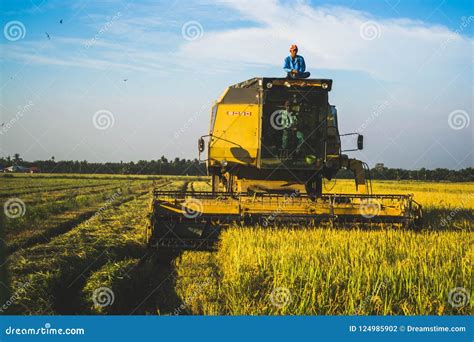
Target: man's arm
x=302, y=65
x=286, y=65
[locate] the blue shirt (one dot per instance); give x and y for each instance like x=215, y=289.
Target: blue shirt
x=297, y=64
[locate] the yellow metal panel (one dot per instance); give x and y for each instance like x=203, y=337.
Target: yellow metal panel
x=236, y=133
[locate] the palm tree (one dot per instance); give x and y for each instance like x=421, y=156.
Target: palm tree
x=17, y=159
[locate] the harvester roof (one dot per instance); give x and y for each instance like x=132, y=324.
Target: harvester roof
x=268, y=82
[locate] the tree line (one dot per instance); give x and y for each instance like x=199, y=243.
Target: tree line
x=161, y=166
x=193, y=167
x=439, y=174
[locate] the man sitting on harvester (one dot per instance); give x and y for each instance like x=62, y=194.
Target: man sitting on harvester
x=271, y=144
x=294, y=64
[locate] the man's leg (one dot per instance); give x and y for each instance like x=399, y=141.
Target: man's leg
x=303, y=74
x=284, y=139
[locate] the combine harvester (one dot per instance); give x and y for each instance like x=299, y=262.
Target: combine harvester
x=271, y=143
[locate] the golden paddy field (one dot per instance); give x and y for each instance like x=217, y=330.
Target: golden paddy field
x=78, y=234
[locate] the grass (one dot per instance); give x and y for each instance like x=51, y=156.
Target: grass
x=116, y=276
x=45, y=218
x=342, y=271
x=54, y=277
x=333, y=272
x=56, y=271
x=76, y=238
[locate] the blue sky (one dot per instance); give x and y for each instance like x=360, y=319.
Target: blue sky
x=402, y=73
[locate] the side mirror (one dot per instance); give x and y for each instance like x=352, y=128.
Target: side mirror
x=201, y=145
x=360, y=142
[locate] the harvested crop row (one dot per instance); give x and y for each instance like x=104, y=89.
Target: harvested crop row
x=48, y=189
x=134, y=286
x=49, y=278
x=38, y=198
x=53, y=271
x=42, y=221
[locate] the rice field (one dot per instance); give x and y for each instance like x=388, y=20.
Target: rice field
x=75, y=244
x=325, y=271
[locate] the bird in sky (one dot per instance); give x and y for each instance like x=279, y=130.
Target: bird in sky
x=61, y=21
x=47, y=35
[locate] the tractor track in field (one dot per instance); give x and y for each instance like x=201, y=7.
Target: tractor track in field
x=75, y=193
x=61, y=284
x=69, y=299
x=69, y=271
x=27, y=192
x=153, y=287
x=159, y=285
x=66, y=226
x=63, y=221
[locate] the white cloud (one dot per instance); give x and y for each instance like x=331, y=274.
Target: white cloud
x=330, y=38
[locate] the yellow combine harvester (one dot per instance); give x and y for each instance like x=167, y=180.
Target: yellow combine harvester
x=271, y=143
